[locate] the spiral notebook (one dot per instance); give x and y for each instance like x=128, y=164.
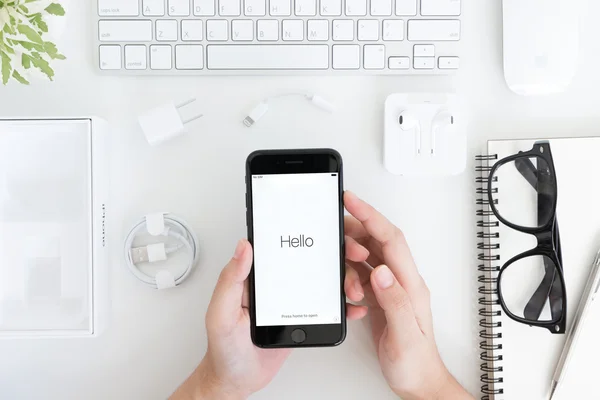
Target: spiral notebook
x=518, y=361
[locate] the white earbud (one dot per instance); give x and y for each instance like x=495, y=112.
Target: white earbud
x=440, y=124
x=409, y=123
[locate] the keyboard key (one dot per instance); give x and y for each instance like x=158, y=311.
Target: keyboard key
x=110, y=57
x=346, y=56
x=305, y=7
x=406, y=7
x=242, y=30
x=424, y=62
x=440, y=7
x=368, y=29
x=293, y=29
x=331, y=7
x=280, y=7
x=216, y=30
x=153, y=8
x=135, y=57
x=424, y=50
x=160, y=57
x=381, y=7
x=343, y=29
x=356, y=7
x=434, y=30
x=229, y=8
x=118, y=8
x=268, y=57
x=268, y=30
x=203, y=8
x=448, y=62
x=189, y=56
x=191, y=30
x=166, y=30
x=318, y=29
x=399, y=63
x=179, y=8
x=255, y=8
x=393, y=29
x=125, y=31
x=374, y=56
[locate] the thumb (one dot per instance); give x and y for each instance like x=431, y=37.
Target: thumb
x=396, y=304
x=226, y=302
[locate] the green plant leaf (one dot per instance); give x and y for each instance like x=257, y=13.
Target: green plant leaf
x=30, y=33
x=43, y=66
x=55, y=9
x=26, y=61
x=6, y=68
x=19, y=78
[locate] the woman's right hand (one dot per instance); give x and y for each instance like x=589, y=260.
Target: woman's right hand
x=399, y=306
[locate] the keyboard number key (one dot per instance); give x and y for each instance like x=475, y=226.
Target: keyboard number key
x=204, y=8
x=189, y=56
x=448, y=62
x=424, y=62
x=293, y=30
x=110, y=57
x=216, y=30
x=135, y=57
x=153, y=8
x=242, y=30
x=346, y=56
x=393, y=29
x=191, y=30
x=179, y=8
x=356, y=7
x=343, y=29
x=317, y=30
x=166, y=30
x=160, y=57
x=374, y=56
x=267, y=30
x=399, y=63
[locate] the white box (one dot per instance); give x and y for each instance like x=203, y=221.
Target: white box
x=53, y=192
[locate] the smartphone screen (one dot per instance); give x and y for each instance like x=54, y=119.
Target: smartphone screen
x=295, y=224
x=296, y=248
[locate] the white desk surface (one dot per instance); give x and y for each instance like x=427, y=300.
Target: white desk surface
x=154, y=339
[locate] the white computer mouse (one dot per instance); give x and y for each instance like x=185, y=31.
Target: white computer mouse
x=541, y=44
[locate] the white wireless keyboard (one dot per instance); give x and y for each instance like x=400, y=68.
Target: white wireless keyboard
x=208, y=37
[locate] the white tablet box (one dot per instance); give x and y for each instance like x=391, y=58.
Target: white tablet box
x=53, y=192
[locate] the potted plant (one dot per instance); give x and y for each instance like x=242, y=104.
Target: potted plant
x=24, y=48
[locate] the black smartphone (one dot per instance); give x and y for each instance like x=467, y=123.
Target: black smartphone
x=295, y=219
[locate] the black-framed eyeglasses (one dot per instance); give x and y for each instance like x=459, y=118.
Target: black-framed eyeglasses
x=534, y=278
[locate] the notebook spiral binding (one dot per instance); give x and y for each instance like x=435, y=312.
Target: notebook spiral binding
x=489, y=311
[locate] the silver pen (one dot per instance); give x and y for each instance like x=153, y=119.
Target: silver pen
x=587, y=298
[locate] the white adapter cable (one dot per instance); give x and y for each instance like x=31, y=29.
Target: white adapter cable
x=161, y=224
x=261, y=109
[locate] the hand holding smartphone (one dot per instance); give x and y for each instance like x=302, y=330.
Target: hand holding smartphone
x=295, y=224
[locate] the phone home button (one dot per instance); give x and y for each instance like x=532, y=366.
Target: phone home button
x=298, y=335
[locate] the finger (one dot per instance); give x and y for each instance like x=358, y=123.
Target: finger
x=354, y=312
x=375, y=224
x=352, y=286
x=355, y=251
x=227, y=298
x=246, y=295
x=395, y=250
x=353, y=228
x=396, y=305
x=364, y=274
